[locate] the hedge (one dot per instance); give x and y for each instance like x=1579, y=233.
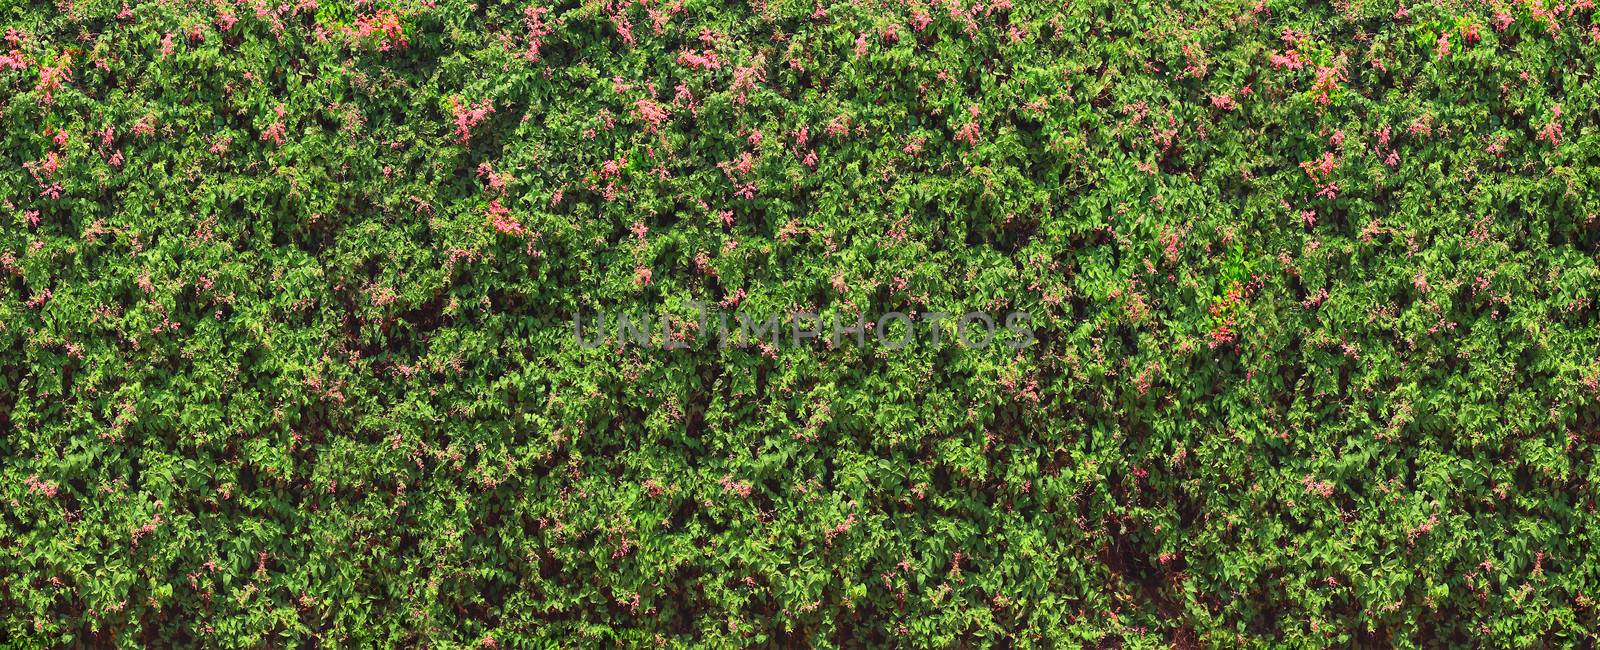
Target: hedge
x=287, y=351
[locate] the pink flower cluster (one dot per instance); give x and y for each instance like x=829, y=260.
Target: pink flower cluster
x=740, y=488
x=1328, y=80
x=1551, y=132
x=651, y=113
x=500, y=217
x=468, y=116
x=275, y=132
x=969, y=132
x=15, y=60
x=533, y=16
x=382, y=26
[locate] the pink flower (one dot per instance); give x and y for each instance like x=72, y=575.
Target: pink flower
x=705, y=61
x=651, y=113
x=16, y=60
x=743, y=165
x=494, y=180
x=1290, y=60
x=273, y=134
x=275, y=131
x=621, y=21
x=1420, y=127
x=1442, y=46
x=1315, y=486
x=537, y=30
x=1196, y=65
x=145, y=127
x=500, y=217
x=1327, y=164
x=745, y=78
x=1551, y=132
x=146, y=529
x=49, y=164
x=738, y=487
x=51, y=78
x=1328, y=79
x=840, y=529
x=839, y=126
x=968, y=133
x=468, y=116
x=40, y=487
x=384, y=26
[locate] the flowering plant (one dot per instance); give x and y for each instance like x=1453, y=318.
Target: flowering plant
x=287, y=293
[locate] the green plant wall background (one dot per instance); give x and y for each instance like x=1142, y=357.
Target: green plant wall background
x=286, y=355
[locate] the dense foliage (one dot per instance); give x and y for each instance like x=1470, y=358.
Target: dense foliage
x=286, y=352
